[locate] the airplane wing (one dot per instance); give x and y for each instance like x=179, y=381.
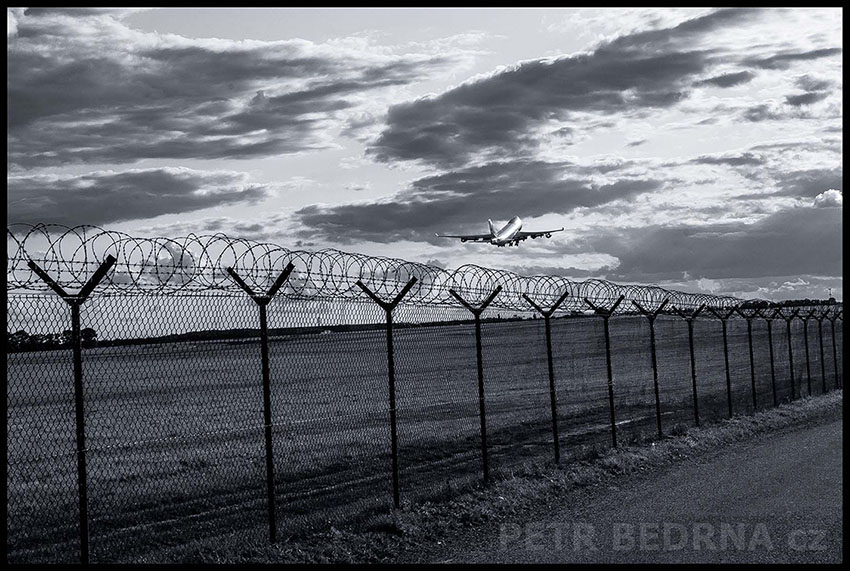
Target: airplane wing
x=467, y=237
x=537, y=234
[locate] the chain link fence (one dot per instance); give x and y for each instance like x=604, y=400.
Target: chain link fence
x=176, y=404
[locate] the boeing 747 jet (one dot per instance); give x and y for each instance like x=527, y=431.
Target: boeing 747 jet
x=511, y=234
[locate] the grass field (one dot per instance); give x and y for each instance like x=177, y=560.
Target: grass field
x=175, y=440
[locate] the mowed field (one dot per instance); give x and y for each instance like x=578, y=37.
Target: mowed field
x=175, y=439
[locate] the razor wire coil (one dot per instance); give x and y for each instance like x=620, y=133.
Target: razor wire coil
x=192, y=263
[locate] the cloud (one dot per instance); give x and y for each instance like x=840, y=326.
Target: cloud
x=806, y=98
x=103, y=197
x=797, y=183
x=498, y=114
x=810, y=83
x=728, y=79
x=762, y=112
x=709, y=285
x=784, y=60
x=461, y=200
x=85, y=88
x=809, y=183
x=746, y=158
x=788, y=242
x=12, y=16
x=829, y=198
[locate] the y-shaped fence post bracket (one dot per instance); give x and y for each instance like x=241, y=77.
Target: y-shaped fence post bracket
x=262, y=300
x=388, y=308
x=723, y=317
x=605, y=314
x=689, y=318
x=75, y=301
x=547, y=314
x=651, y=315
x=476, y=312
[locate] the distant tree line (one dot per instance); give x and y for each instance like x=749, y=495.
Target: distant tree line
x=756, y=304
x=23, y=341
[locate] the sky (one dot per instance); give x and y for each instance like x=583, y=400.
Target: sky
x=698, y=149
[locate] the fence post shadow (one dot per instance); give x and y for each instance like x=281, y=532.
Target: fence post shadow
x=262, y=300
x=75, y=301
x=651, y=315
x=476, y=312
x=547, y=314
x=605, y=314
x=388, y=308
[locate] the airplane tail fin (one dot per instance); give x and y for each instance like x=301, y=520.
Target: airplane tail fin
x=492, y=228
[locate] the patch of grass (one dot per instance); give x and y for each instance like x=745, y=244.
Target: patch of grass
x=403, y=535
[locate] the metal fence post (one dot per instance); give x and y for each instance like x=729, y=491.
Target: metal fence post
x=820, y=319
x=388, y=308
x=689, y=318
x=835, y=315
x=788, y=318
x=769, y=320
x=805, y=319
x=546, y=318
x=605, y=314
x=749, y=319
x=477, y=311
x=651, y=315
x=262, y=300
x=75, y=301
x=723, y=318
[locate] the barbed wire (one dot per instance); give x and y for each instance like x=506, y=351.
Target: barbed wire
x=193, y=263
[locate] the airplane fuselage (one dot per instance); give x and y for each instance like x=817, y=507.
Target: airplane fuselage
x=508, y=232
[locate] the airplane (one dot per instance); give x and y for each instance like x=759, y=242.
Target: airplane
x=510, y=234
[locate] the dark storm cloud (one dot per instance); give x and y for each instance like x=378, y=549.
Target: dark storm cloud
x=802, y=184
x=762, y=112
x=785, y=60
x=728, y=79
x=806, y=98
x=462, y=200
x=78, y=12
x=809, y=183
x=104, y=197
x=82, y=87
x=497, y=115
x=789, y=242
x=809, y=83
x=743, y=159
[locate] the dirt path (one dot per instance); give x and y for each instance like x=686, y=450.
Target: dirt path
x=773, y=499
